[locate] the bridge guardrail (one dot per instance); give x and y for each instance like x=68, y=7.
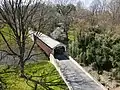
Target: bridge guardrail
x=55, y=62
x=70, y=58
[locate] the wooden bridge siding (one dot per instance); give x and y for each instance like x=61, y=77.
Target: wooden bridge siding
x=43, y=46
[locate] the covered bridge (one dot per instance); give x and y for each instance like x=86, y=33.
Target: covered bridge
x=47, y=44
x=75, y=77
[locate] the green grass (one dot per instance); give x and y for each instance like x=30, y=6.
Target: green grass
x=11, y=39
x=42, y=71
x=7, y=32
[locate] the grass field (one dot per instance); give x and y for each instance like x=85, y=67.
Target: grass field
x=42, y=71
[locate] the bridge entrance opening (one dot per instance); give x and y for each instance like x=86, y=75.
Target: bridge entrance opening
x=60, y=53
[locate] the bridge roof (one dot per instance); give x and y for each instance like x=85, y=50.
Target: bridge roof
x=47, y=40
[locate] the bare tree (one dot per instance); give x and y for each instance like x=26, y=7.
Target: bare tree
x=114, y=9
x=79, y=4
x=95, y=9
x=64, y=9
x=20, y=16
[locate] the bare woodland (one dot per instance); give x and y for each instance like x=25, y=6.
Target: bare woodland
x=92, y=33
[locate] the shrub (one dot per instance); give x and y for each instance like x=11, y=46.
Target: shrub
x=96, y=46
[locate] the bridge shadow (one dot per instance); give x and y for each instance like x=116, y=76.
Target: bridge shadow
x=60, y=53
x=61, y=57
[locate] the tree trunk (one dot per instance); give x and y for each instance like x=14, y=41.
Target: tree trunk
x=22, y=63
x=35, y=86
x=21, y=67
x=66, y=29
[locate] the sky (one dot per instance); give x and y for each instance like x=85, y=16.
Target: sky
x=88, y=2
x=85, y=2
